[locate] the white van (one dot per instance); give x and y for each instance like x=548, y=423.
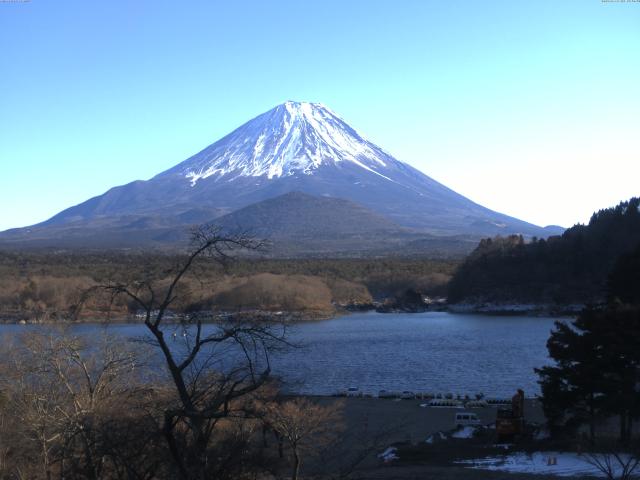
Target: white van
x=353, y=392
x=466, y=418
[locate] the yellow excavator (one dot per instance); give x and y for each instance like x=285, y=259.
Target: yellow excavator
x=510, y=421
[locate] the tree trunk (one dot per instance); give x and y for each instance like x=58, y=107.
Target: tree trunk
x=296, y=464
x=45, y=459
x=280, y=444
x=592, y=422
x=200, y=451
x=91, y=466
x=167, y=430
x=623, y=427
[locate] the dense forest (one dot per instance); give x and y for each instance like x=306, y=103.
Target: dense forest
x=602, y=339
x=561, y=270
x=568, y=269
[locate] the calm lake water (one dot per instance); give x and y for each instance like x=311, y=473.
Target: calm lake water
x=423, y=352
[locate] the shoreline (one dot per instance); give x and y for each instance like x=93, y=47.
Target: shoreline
x=531, y=310
x=209, y=318
x=525, y=309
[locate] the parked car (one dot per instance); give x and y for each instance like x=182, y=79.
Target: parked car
x=462, y=419
x=476, y=404
x=445, y=403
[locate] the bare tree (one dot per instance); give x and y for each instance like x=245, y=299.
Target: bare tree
x=304, y=425
x=615, y=465
x=59, y=389
x=213, y=368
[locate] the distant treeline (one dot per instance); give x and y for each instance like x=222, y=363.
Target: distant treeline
x=49, y=285
x=383, y=277
x=572, y=268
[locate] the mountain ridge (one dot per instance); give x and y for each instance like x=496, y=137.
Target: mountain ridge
x=295, y=146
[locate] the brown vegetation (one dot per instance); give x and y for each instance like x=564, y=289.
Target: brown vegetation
x=96, y=408
x=304, y=425
x=188, y=408
x=49, y=286
x=72, y=407
x=42, y=297
x=277, y=292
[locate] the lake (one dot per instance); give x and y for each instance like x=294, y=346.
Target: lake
x=434, y=352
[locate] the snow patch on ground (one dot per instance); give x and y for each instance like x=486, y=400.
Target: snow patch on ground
x=465, y=432
x=389, y=454
x=539, y=463
x=436, y=437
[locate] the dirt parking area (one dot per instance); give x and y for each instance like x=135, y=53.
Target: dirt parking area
x=379, y=423
x=407, y=421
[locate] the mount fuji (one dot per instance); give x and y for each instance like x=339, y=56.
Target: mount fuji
x=295, y=147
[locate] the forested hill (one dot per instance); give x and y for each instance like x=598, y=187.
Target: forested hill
x=572, y=268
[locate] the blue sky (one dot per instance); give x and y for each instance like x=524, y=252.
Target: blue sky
x=529, y=108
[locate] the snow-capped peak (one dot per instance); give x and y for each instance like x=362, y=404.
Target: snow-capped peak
x=292, y=138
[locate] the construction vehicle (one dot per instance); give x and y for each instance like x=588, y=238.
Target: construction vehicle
x=510, y=421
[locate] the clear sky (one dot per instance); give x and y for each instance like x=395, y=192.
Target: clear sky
x=529, y=108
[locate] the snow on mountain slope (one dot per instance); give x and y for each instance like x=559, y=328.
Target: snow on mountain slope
x=292, y=138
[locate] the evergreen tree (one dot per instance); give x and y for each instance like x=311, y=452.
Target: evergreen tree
x=571, y=268
x=572, y=392
x=623, y=285
x=596, y=372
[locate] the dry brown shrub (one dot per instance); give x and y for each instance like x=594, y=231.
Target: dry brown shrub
x=277, y=292
x=40, y=296
x=344, y=292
